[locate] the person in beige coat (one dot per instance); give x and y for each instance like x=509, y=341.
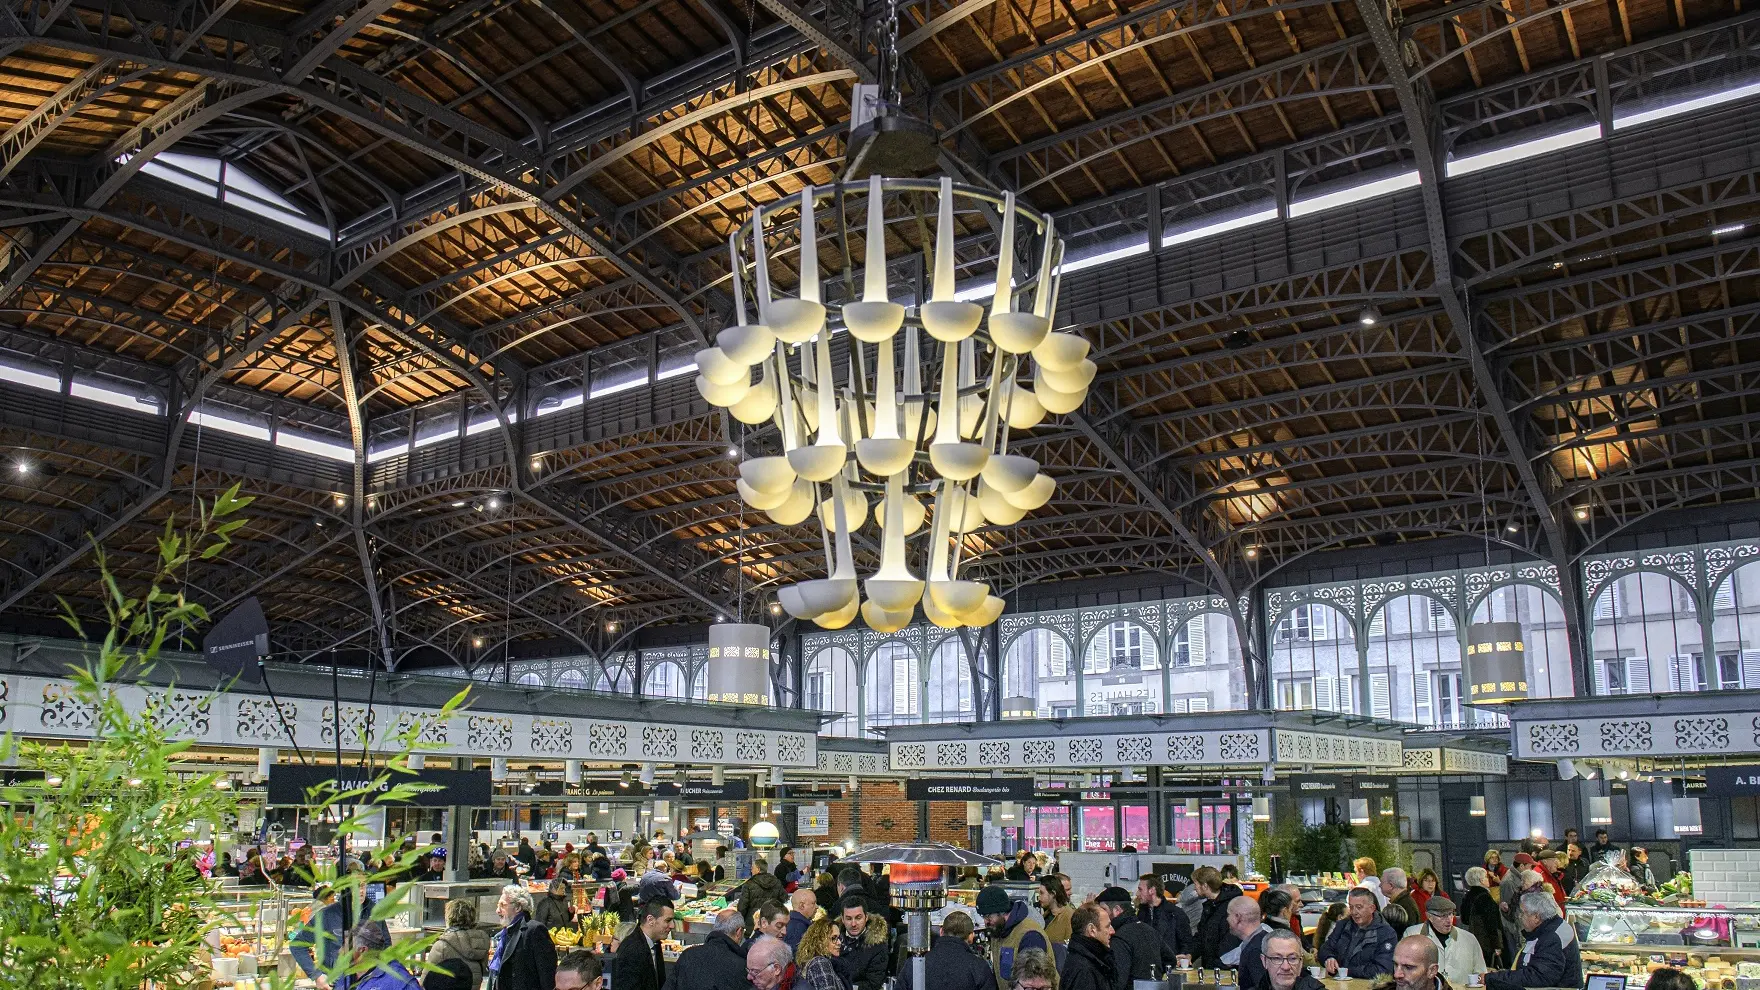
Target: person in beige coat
x=462, y=950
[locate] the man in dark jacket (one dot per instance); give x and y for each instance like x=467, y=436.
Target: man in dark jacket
x=524, y=957
x=803, y=905
x=717, y=964
x=1550, y=954
x=951, y=963
x=1158, y=911
x=1247, y=925
x=1138, y=953
x=1601, y=848
x=1397, y=890
x=639, y=964
x=1361, y=942
x=1088, y=963
x=863, y=952
x=1213, y=925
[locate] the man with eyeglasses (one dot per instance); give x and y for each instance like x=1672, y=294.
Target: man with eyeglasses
x=1281, y=952
x=767, y=962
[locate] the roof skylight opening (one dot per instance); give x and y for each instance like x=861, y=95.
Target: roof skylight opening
x=1104, y=255
x=488, y=423
x=1468, y=164
x=635, y=381
x=378, y=454
x=31, y=377
x=116, y=397
x=229, y=424
x=1738, y=92
x=315, y=445
x=557, y=403
x=226, y=182
x=1215, y=227
x=686, y=367
x=1354, y=194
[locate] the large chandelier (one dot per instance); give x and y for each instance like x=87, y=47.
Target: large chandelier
x=904, y=419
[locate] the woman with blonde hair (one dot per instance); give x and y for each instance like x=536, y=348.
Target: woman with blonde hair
x=814, y=960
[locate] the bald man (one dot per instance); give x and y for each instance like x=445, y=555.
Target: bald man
x=1416, y=966
x=803, y=908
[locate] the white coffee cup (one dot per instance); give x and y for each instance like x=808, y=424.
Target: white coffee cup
x=1183, y=961
x=1317, y=972
x=1476, y=980
x=1344, y=974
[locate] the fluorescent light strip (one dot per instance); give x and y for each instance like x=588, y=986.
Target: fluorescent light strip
x=1353, y=194
x=687, y=368
x=226, y=424
x=1095, y=260
x=1687, y=106
x=1219, y=227
x=317, y=446
x=1734, y=228
x=622, y=386
x=1525, y=149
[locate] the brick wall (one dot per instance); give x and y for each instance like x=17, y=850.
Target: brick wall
x=887, y=817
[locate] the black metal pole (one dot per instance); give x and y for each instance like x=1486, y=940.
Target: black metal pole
x=341, y=835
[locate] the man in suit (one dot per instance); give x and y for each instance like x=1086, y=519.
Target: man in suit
x=638, y=964
x=525, y=958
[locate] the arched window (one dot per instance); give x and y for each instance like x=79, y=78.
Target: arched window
x=700, y=684
x=1646, y=637
x=664, y=680
x=1037, y=665
x=1415, y=662
x=1127, y=654
x=1314, y=660
x=1205, y=672
x=1545, y=643
x=573, y=679
x=1735, y=620
x=830, y=686
x=891, y=688
x=950, y=684
x=531, y=678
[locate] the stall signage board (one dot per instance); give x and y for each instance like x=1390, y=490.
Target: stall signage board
x=1174, y=876
x=969, y=789
x=732, y=790
x=1732, y=781
x=813, y=819
x=289, y=782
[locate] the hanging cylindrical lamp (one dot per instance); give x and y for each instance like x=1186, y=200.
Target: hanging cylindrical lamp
x=1688, y=818
x=266, y=759
x=498, y=768
x=1262, y=808
x=1019, y=706
x=1600, y=810
x=571, y=772
x=1359, y=811
x=738, y=666
x=1476, y=805
x=1496, y=663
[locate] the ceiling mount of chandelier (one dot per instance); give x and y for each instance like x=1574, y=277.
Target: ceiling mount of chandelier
x=919, y=405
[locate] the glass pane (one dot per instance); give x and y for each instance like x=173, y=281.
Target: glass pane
x=1037, y=666
x=1646, y=637
x=1186, y=828
x=1122, y=667
x=1048, y=827
x=1314, y=660
x=1136, y=826
x=1205, y=667
x=830, y=686
x=1099, y=830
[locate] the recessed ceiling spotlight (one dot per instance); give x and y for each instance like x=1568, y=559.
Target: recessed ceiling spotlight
x=1582, y=513
x=733, y=452
x=1368, y=316
x=611, y=626
x=775, y=608
x=1252, y=552
x=494, y=504
x=1512, y=527
x=22, y=467
x=477, y=642
x=341, y=500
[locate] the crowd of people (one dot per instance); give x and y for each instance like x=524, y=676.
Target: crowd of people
x=794, y=929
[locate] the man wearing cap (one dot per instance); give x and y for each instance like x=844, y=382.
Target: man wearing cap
x=1013, y=930
x=1458, y=953
x=1138, y=953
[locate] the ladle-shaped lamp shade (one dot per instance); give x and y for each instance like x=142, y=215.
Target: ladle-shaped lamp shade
x=789, y=597
x=855, y=508
x=997, y=509
x=945, y=318
x=762, y=501
x=938, y=617
x=796, y=319
x=827, y=455
x=893, y=587
x=964, y=514
x=746, y=344
x=724, y=395
x=840, y=618
x=1009, y=472
x=1024, y=410
x=716, y=366
x=1018, y=333
x=884, y=620
x=914, y=514
x=876, y=317
x=797, y=507
x=1035, y=494
x=957, y=597
x=951, y=458
x=1073, y=379
x=986, y=613
x=1061, y=351
x=759, y=404
x=1057, y=402
x=767, y=474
